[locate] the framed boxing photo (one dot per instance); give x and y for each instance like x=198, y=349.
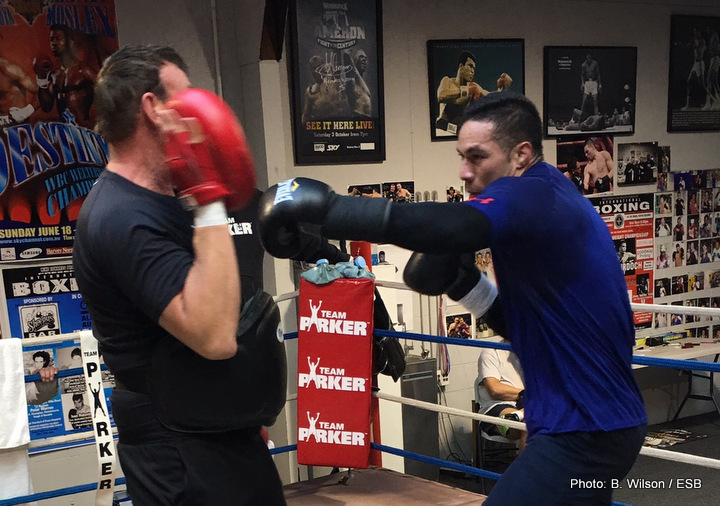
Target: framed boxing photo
x=694, y=81
x=336, y=81
x=460, y=71
x=589, y=90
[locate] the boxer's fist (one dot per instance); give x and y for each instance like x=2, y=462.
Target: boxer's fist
x=437, y=274
x=208, y=155
x=459, y=278
x=43, y=65
x=504, y=82
x=474, y=90
x=283, y=210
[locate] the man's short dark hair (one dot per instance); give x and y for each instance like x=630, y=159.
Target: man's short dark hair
x=514, y=116
x=44, y=355
x=76, y=353
x=125, y=77
x=77, y=397
x=464, y=56
x=67, y=32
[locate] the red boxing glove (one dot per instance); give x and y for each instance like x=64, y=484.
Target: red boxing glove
x=216, y=166
x=43, y=65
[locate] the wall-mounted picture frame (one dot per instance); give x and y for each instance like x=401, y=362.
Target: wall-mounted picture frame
x=589, y=90
x=694, y=81
x=460, y=71
x=336, y=82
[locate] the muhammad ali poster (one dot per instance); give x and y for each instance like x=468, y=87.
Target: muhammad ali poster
x=460, y=71
x=50, y=54
x=694, y=82
x=336, y=81
x=589, y=90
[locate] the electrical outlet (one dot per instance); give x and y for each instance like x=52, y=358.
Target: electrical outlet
x=443, y=380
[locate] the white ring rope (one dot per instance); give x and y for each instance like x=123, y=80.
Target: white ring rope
x=665, y=308
x=450, y=411
x=684, y=458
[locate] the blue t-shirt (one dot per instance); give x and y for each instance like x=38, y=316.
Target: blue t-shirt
x=565, y=303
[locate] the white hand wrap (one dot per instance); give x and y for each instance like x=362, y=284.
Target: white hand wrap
x=480, y=298
x=211, y=214
x=42, y=82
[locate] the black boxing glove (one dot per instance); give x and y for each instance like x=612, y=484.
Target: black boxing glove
x=460, y=279
x=437, y=274
x=296, y=207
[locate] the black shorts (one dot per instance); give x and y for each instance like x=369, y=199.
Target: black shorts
x=603, y=184
x=164, y=467
x=490, y=428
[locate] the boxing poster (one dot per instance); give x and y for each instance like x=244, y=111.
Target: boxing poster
x=694, y=82
x=50, y=54
x=461, y=71
x=63, y=406
x=41, y=300
x=336, y=81
x=589, y=90
x=630, y=221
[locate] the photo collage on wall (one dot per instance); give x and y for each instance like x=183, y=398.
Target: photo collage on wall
x=62, y=406
x=687, y=251
x=668, y=244
x=395, y=191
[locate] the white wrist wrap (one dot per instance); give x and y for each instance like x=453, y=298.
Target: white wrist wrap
x=480, y=298
x=211, y=214
x=42, y=83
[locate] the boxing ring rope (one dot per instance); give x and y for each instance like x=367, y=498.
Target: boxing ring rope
x=639, y=360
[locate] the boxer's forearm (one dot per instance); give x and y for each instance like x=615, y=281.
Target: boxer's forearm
x=204, y=315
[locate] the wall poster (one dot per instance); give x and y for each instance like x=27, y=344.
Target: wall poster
x=460, y=71
x=694, y=82
x=630, y=220
x=589, y=90
x=50, y=54
x=41, y=299
x=336, y=82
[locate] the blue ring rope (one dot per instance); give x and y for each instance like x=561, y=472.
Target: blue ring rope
x=55, y=493
x=672, y=363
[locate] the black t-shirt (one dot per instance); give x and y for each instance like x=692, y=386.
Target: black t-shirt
x=132, y=252
x=249, y=251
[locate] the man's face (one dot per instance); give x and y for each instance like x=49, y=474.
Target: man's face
x=39, y=362
x=482, y=161
x=361, y=61
x=58, y=44
x=590, y=152
x=78, y=403
x=623, y=247
x=467, y=70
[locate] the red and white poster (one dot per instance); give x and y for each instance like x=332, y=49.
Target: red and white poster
x=630, y=220
x=50, y=55
x=335, y=373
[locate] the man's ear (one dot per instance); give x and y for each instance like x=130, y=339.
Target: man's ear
x=522, y=155
x=149, y=104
